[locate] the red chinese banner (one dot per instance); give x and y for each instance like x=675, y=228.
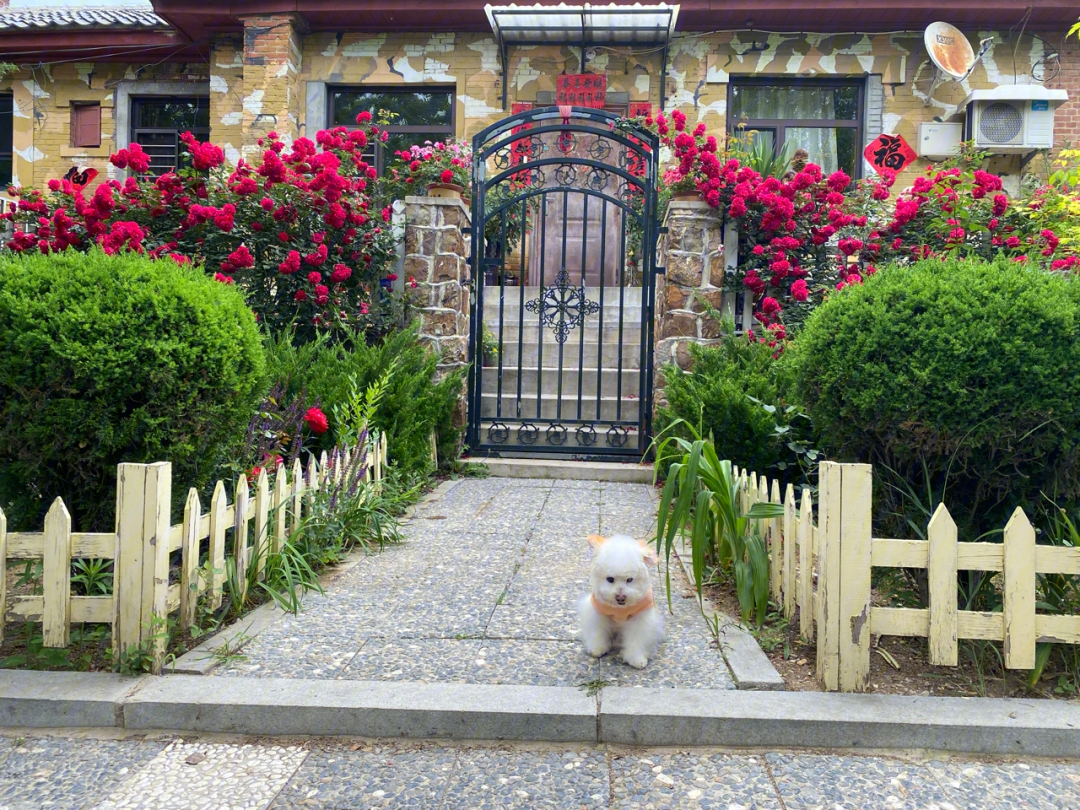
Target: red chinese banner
x=581, y=90
x=639, y=109
x=520, y=149
x=889, y=152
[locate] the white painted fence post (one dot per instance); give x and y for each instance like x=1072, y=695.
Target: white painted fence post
x=142, y=569
x=189, y=560
x=789, y=551
x=218, y=526
x=806, y=566
x=56, y=577
x=1019, y=592
x=828, y=587
x=855, y=544
x=3, y=571
x=941, y=578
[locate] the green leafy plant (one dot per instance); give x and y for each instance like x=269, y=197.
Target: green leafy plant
x=722, y=392
x=93, y=577
x=760, y=155
x=36, y=655
x=414, y=404
x=702, y=497
x=138, y=659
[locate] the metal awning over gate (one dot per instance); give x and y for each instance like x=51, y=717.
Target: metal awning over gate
x=583, y=26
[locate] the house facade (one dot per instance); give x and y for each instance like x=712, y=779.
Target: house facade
x=567, y=319
x=90, y=80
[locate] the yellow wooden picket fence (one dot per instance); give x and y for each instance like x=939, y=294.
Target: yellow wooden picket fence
x=142, y=596
x=824, y=570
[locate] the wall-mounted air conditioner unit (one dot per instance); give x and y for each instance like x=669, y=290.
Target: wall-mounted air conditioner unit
x=1012, y=119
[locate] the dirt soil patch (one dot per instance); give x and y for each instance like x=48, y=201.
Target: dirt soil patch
x=898, y=666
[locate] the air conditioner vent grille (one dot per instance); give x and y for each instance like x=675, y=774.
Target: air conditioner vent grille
x=1001, y=122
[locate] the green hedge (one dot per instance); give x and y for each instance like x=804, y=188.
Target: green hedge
x=105, y=359
x=963, y=374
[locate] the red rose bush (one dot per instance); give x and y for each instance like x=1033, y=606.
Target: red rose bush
x=300, y=233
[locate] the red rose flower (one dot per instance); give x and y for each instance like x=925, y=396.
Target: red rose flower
x=316, y=420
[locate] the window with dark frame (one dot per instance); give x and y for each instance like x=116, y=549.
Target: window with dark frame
x=414, y=115
x=822, y=116
x=7, y=155
x=85, y=124
x=157, y=122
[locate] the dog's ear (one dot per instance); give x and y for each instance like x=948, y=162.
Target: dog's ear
x=648, y=553
x=596, y=540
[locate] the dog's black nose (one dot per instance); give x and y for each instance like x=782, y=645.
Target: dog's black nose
x=621, y=600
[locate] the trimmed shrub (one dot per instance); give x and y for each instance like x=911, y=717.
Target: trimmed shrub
x=962, y=376
x=107, y=359
x=411, y=408
x=716, y=395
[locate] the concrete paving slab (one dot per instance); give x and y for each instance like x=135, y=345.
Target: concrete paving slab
x=811, y=781
x=279, y=707
x=810, y=719
x=63, y=699
x=684, y=779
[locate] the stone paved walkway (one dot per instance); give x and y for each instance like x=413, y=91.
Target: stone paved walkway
x=85, y=772
x=485, y=590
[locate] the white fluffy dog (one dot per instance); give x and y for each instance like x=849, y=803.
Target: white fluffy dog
x=621, y=603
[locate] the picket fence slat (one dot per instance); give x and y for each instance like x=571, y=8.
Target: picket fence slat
x=828, y=606
x=262, y=524
x=241, y=551
x=941, y=578
x=91, y=545
x=1019, y=592
x=805, y=586
x=219, y=521
x=3, y=569
x=855, y=569
x=788, y=537
x=279, y=507
x=189, y=560
x=776, y=545
x=56, y=577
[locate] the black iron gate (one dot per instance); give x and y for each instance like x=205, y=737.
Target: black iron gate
x=563, y=258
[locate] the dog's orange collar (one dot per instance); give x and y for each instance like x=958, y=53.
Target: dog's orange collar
x=621, y=614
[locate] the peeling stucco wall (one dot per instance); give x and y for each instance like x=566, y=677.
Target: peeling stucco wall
x=274, y=78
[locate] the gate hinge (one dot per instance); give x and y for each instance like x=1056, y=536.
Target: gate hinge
x=662, y=230
x=660, y=271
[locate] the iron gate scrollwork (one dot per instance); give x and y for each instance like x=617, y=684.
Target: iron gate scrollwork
x=563, y=258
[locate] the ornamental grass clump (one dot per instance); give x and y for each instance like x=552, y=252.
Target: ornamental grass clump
x=108, y=359
x=958, y=375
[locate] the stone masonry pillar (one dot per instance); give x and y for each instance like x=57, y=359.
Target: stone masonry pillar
x=436, y=244
x=272, y=98
x=693, y=253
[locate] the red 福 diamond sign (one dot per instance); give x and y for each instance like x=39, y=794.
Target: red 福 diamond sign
x=889, y=152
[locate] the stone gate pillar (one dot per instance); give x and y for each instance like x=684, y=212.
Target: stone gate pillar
x=436, y=246
x=692, y=252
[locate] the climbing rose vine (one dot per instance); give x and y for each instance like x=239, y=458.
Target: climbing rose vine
x=301, y=232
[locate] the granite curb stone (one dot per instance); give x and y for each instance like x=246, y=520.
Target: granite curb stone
x=630, y=716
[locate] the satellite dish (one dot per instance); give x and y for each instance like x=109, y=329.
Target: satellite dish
x=949, y=50
x=951, y=53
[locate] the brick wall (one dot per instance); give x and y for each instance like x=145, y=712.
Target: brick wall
x=1067, y=118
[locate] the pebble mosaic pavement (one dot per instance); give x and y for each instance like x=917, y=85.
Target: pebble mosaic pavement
x=158, y=772
x=485, y=590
